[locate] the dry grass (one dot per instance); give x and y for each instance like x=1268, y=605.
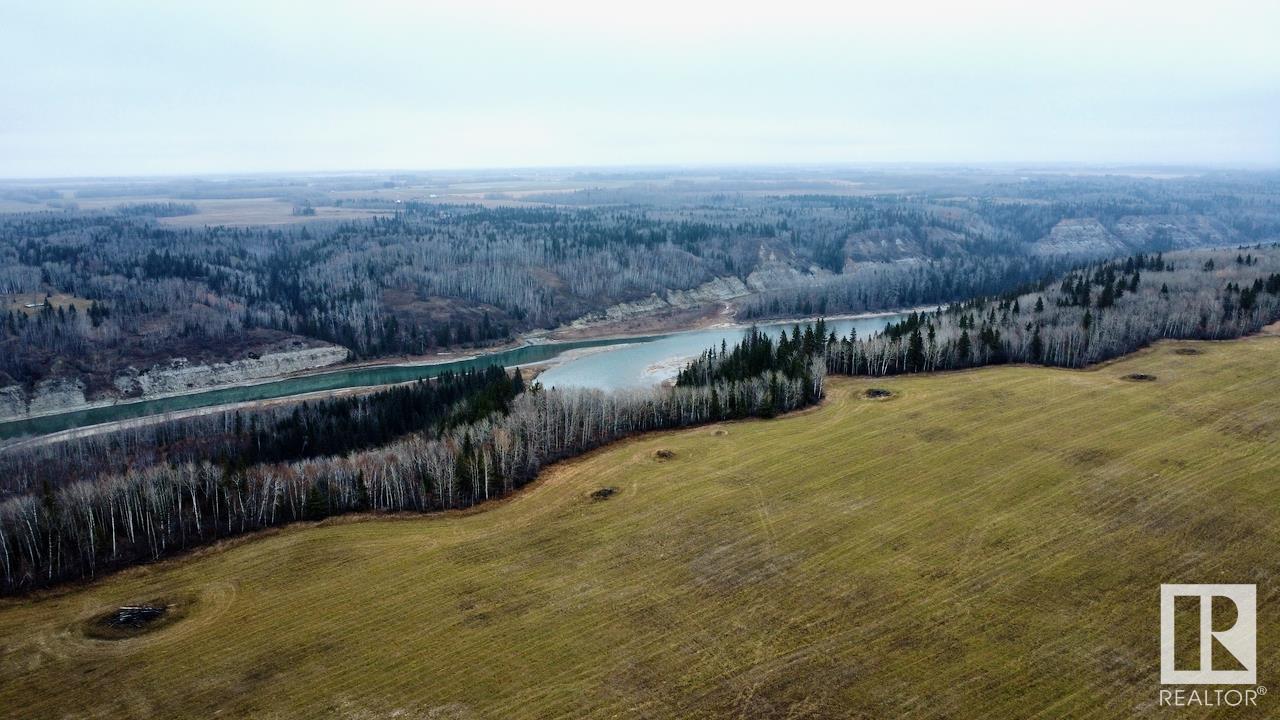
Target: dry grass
x=988, y=544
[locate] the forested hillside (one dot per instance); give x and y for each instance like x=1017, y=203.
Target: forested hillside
x=90, y=293
x=1099, y=311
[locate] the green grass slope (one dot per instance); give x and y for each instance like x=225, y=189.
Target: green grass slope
x=982, y=544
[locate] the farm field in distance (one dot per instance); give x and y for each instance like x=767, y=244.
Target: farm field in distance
x=256, y=211
x=986, y=543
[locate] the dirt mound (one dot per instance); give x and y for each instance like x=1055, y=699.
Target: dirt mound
x=1140, y=377
x=877, y=393
x=663, y=454
x=1188, y=351
x=604, y=493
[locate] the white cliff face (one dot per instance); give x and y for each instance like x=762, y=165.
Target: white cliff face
x=1083, y=236
x=55, y=395
x=178, y=376
x=13, y=402
x=49, y=396
x=1177, y=232
x=772, y=275
x=1089, y=237
x=172, y=378
x=780, y=276
x=717, y=290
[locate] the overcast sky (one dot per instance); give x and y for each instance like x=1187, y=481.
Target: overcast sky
x=127, y=88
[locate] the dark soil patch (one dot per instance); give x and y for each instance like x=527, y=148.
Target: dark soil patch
x=1140, y=377
x=663, y=454
x=877, y=393
x=938, y=434
x=132, y=620
x=1188, y=351
x=1089, y=457
x=604, y=493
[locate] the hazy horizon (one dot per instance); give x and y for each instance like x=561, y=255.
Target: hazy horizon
x=234, y=88
x=1155, y=170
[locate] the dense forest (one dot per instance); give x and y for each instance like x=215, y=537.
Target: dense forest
x=794, y=358
x=905, y=284
x=1099, y=311
x=90, y=293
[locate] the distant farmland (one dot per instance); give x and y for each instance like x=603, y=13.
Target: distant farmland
x=256, y=211
x=976, y=544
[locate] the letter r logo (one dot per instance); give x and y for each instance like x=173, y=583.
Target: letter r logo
x=1240, y=639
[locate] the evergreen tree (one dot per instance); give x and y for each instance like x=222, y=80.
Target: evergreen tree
x=964, y=348
x=915, y=351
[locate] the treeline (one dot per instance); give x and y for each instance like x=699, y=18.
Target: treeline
x=158, y=209
x=84, y=528
x=342, y=425
x=1098, y=312
x=880, y=286
x=275, y=433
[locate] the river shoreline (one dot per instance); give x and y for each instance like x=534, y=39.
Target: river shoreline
x=533, y=341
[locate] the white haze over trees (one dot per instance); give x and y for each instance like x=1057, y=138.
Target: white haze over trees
x=136, y=87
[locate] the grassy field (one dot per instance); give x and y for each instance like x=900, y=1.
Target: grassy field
x=981, y=544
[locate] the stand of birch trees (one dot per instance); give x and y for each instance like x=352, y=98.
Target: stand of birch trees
x=1095, y=313
x=84, y=528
